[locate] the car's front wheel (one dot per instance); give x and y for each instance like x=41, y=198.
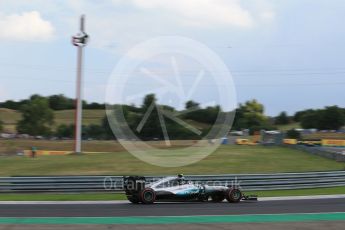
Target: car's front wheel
x=233, y=195
x=148, y=196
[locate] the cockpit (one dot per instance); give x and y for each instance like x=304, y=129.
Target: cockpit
x=170, y=182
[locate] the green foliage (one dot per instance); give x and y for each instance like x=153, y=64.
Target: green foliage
x=37, y=117
x=192, y=105
x=94, y=105
x=56, y=102
x=152, y=128
x=207, y=115
x=329, y=118
x=94, y=131
x=60, y=102
x=64, y=131
x=144, y=122
x=298, y=115
x=108, y=133
x=293, y=134
x=251, y=116
x=282, y=119
x=332, y=118
x=1, y=126
x=10, y=104
x=310, y=119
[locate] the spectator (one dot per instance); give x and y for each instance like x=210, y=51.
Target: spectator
x=33, y=151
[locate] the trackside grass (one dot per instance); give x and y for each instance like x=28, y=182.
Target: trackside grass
x=226, y=159
x=62, y=197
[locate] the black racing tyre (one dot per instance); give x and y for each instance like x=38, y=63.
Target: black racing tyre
x=217, y=197
x=233, y=195
x=134, y=200
x=148, y=196
x=202, y=198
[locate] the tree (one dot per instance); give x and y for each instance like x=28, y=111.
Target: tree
x=9, y=104
x=310, y=119
x=207, y=115
x=298, y=115
x=329, y=118
x=282, y=119
x=1, y=125
x=332, y=118
x=65, y=131
x=108, y=133
x=151, y=128
x=251, y=116
x=60, y=102
x=192, y=104
x=293, y=134
x=37, y=117
x=253, y=113
x=94, y=105
x=94, y=131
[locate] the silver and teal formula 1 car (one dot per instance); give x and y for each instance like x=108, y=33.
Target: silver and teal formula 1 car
x=178, y=189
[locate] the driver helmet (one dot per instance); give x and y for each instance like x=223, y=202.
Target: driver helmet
x=180, y=179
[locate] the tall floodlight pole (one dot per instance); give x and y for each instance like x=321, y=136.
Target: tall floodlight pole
x=80, y=41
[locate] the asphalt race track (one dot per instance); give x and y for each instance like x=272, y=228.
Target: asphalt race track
x=172, y=209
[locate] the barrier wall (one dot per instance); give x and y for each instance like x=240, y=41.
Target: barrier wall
x=333, y=143
x=290, y=141
x=245, y=142
x=46, y=153
x=323, y=142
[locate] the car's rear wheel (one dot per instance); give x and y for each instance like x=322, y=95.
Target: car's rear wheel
x=233, y=195
x=217, y=197
x=148, y=196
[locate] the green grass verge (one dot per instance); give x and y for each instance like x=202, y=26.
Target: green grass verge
x=118, y=196
x=226, y=159
x=62, y=197
x=301, y=192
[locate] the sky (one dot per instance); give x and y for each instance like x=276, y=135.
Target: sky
x=287, y=54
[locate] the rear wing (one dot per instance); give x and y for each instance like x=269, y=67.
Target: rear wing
x=133, y=184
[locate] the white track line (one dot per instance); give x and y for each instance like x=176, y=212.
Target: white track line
x=301, y=197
